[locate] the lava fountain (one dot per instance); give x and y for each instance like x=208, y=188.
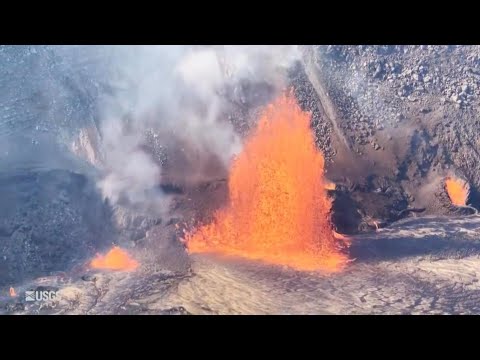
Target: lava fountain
x=278, y=209
x=115, y=259
x=458, y=191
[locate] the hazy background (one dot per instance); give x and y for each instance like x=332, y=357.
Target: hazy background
x=102, y=101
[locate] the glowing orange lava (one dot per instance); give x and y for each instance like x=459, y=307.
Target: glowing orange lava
x=330, y=185
x=115, y=259
x=458, y=191
x=12, y=292
x=278, y=210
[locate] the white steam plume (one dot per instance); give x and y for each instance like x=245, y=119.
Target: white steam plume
x=176, y=92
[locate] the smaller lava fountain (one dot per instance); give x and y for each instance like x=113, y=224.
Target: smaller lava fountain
x=116, y=259
x=458, y=191
x=12, y=292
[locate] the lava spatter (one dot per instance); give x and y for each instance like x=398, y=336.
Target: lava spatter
x=116, y=259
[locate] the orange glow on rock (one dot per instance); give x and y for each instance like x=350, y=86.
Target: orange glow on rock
x=115, y=259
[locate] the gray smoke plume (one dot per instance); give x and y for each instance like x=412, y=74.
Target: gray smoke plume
x=175, y=94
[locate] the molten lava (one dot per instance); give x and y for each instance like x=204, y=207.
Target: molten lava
x=115, y=259
x=278, y=208
x=330, y=185
x=458, y=191
x=12, y=292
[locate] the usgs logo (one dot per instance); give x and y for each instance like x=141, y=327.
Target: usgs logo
x=44, y=295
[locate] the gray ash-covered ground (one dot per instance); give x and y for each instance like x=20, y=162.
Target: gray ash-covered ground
x=418, y=266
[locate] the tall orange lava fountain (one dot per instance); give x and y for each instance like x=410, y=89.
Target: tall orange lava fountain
x=278, y=210
x=115, y=259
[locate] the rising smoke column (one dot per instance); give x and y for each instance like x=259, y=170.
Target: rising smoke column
x=177, y=93
x=278, y=210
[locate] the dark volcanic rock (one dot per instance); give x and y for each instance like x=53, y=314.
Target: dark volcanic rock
x=50, y=220
x=407, y=111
